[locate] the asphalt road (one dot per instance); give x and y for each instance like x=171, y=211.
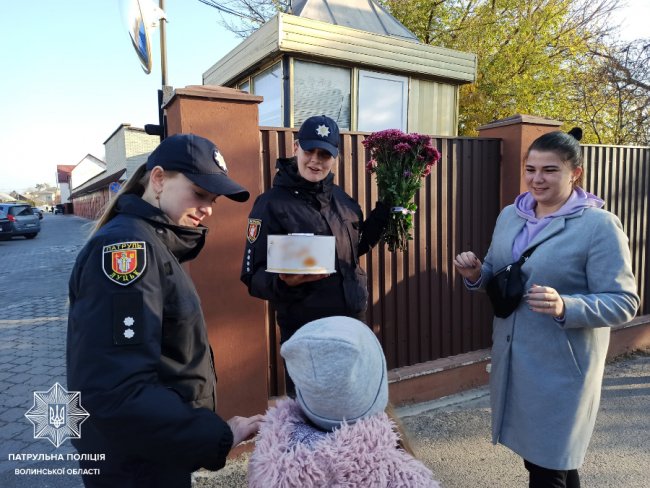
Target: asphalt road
x=451, y=435
x=33, y=316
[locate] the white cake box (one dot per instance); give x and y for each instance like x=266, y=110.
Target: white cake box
x=300, y=254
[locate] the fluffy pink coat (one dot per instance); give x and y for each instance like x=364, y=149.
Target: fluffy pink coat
x=362, y=455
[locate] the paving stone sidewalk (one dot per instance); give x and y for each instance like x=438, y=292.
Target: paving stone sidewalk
x=33, y=320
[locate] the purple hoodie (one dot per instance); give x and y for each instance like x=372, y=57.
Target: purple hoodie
x=525, y=207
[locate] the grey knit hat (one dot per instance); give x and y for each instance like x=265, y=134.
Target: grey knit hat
x=339, y=370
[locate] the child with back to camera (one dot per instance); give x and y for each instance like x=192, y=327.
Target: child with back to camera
x=336, y=433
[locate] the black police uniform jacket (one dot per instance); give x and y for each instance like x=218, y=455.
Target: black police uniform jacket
x=137, y=346
x=295, y=205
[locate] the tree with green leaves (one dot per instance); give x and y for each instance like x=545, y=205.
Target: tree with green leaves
x=528, y=52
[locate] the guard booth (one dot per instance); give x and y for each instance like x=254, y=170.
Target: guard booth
x=351, y=61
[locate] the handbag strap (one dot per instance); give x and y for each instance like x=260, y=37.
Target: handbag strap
x=524, y=257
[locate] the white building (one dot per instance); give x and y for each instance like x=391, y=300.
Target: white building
x=86, y=169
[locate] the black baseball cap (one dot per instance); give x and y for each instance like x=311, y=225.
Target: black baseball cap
x=200, y=161
x=319, y=132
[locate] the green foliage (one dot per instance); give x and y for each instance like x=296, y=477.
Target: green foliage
x=534, y=57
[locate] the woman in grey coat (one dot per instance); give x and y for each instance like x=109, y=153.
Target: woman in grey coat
x=548, y=356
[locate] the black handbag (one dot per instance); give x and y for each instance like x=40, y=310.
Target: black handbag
x=506, y=288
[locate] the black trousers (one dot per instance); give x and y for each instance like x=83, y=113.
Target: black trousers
x=551, y=478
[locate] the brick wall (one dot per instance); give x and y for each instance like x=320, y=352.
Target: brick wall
x=92, y=205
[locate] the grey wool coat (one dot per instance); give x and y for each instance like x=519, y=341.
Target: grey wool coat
x=546, y=375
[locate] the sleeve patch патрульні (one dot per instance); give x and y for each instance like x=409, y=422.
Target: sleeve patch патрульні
x=124, y=262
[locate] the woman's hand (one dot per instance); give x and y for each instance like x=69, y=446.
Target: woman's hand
x=299, y=279
x=469, y=266
x=544, y=299
x=244, y=427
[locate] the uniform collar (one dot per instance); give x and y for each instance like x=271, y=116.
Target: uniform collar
x=184, y=242
x=288, y=177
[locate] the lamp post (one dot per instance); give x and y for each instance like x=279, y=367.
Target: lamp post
x=142, y=16
x=165, y=91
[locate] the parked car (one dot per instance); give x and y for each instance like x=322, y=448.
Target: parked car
x=22, y=219
x=59, y=208
x=39, y=212
x=5, y=227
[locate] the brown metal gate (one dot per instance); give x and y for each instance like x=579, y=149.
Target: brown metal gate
x=620, y=175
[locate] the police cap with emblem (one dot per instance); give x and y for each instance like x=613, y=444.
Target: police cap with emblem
x=319, y=132
x=200, y=161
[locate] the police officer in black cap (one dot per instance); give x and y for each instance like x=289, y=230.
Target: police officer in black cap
x=304, y=199
x=137, y=345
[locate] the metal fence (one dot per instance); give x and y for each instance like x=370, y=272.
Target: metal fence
x=620, y=175
x=417, y=304
x=418, y=307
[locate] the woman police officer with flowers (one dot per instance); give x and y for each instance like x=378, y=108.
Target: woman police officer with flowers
x=304, y=199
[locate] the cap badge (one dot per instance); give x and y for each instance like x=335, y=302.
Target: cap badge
x=323, y=130
x=218, y=158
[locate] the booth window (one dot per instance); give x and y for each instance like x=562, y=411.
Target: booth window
x=320, y=89
x=383, y=101
x=245, y=86
x=268, y=84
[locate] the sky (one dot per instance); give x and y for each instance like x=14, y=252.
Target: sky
x=69, y=76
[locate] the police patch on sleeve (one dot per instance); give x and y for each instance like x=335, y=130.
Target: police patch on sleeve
x=124, y=262
x=253, y=232
x=128, y=319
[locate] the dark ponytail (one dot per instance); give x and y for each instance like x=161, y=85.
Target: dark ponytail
x=576, y=132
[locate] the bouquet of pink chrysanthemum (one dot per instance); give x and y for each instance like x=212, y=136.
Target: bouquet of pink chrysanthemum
x=399, y=161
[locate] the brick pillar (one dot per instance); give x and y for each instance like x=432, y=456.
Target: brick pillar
x=235, y=321
x=517, y=133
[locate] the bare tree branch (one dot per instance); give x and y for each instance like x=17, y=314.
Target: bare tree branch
x=243, y=17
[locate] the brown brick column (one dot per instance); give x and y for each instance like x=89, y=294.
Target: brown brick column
x=517, y=133
x=236, y=322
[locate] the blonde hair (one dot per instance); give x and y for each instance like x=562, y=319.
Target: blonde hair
x=136, y=185
x=404, y=442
